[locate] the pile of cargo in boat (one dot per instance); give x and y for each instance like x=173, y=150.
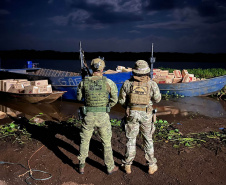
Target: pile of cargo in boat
x=119, y=69
x=25, y=86
x=163, y=76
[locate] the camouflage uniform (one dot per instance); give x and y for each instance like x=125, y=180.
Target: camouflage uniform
x=139, y=118
x=99, y=119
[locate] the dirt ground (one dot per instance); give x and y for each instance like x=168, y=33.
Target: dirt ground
x=55, y=149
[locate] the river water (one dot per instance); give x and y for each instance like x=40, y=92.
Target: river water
x=62, y=110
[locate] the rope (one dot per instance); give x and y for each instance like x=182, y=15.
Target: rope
x=30, y=171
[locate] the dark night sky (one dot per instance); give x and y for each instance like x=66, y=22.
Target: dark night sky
x=189, y=26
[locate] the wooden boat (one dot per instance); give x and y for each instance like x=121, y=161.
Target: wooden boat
x=33, y=98
x=68, y=81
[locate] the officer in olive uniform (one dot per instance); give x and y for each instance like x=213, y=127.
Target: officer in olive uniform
x=136, y=96
x=96, y=90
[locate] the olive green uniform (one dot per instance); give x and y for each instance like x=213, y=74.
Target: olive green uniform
x=139, y=118
x=96, y=90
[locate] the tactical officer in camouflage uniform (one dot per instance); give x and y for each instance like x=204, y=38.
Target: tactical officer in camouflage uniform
x=96, y=90
x=136, y=95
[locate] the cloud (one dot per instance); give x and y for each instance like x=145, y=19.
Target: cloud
x=4, y=12
x=78, y=16
x=134, y=31
x=50, y=1
x=109, y=11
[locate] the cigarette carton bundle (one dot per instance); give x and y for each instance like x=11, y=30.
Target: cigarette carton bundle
x=110, y=72
x=177, y=74
x=120, y=68
x=184, y=73
x=39, y=82
x=164, y=72
x=127, y=69
x=31, y=89
x=16, y=88
x=163, y=76
x=25, y=86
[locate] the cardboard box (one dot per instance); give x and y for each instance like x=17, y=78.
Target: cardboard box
x=8, y=84
x=120, y=68
x=184, y=72
x=187, y=78
x=110, y=72
x=170, y=75
x=2, y=83
x=169, y=79
x=156, y=73
x=21, y=80
x=177, y=80
x=25, y=83
x=16, y=88
x=161, y=78
x=31, y=89
x=177, y=74
x=164, y=72
x=126, y=70
x=39, y=82
x=45, y=89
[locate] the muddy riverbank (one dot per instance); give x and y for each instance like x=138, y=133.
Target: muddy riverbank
x=54, y=149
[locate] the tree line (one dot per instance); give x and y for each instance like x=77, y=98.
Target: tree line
x=113, y=56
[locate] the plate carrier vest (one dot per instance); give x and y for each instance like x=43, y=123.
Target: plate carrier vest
x=140, y=93
x=96, y=93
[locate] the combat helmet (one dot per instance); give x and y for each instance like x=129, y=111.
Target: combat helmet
x=141, y=67
x=97, y=64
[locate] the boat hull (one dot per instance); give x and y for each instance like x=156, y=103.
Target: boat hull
x=33, y=98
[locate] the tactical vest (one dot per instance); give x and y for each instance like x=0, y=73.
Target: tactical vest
x=140, y=93
x=96, y=94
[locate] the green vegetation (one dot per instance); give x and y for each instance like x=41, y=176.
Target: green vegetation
x=13, y=131
x=115, y=122
x=167, y=96
x=165, y=132
x=221, y=95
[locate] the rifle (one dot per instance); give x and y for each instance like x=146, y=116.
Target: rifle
x=152, y=61
x=84, y=67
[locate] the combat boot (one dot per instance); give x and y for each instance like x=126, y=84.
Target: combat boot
x=113, y=170
x=81, y=168
x=152, y=168
x=128, y=168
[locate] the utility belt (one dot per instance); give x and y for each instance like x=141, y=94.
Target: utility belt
x=145, y=109
x=85, y=109
x=97, y=109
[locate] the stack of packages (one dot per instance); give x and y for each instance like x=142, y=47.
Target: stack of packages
x=119, y=69
x=123, y=69
x=25, y=86
x=163, y=76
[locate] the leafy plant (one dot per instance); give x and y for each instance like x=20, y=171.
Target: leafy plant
x=165, y=132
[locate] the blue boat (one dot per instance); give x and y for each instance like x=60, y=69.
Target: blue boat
x=68, y=81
